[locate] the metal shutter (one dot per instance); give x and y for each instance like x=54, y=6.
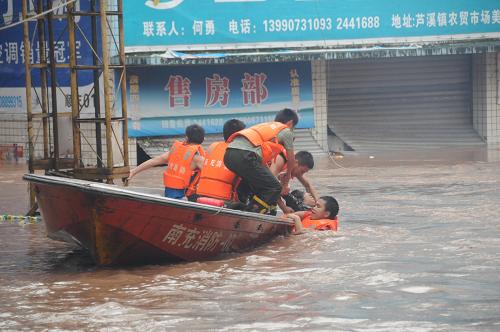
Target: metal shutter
x=401, y=103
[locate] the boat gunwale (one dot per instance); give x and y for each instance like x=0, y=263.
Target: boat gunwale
x=111, y=190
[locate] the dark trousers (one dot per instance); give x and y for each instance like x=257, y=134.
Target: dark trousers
x=249, y=167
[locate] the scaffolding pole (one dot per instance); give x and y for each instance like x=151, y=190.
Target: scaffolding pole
x=102, y=66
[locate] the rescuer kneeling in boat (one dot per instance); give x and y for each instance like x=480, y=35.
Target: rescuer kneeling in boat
x=215, y=180
x=252, y=149
x=322, y=217
x=183, y=159
x=304, y=162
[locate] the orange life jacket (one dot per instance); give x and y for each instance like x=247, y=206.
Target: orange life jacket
x=263, y=135
x=191, y=189
x=320, y=224
x=283, y=154
x=178, y=173
x=216, y=180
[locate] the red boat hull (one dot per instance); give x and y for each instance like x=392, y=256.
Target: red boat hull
x=121, y=226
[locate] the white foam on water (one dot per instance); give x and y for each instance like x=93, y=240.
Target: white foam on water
x=256, y=295
x=289, y=306
x=261, y=326
x=300, y=271
x=255, y=259
x=336, y=320
x=202, y=275
x=417, y=289
x=407, y=326
x=331, y=239
x=9, y=324
x=192, y=286
x=455, y=275
x=34, y=286
x=64, y=283
x=382, y=277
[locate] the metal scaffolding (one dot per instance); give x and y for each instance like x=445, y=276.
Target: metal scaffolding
x=108, y=61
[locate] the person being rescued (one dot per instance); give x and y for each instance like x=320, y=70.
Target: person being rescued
x=252, y=149
x=184, y=159
x=304, y=162
x=322, y=217
x=297, y=200
x=215, y=181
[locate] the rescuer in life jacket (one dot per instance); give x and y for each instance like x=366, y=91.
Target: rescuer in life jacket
x=215, y=180
x=322, y=217
x=249, y=152
x=304, y=162
x=183, y=159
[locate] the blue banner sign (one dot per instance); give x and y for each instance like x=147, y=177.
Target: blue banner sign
x=12, y=48
x=12, y=70
x=211, y=24
x=163, y=100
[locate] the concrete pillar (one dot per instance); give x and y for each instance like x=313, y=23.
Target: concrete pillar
x=320, y=103
x=486, y=96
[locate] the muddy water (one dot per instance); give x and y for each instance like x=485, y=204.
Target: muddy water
x=418, y=250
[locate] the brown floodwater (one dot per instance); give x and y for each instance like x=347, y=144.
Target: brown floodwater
x=418, y=249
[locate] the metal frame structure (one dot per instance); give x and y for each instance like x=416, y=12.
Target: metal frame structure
x=102, y=38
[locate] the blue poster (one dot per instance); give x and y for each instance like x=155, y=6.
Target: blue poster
x=12, y=67
x=12, y=72
x=163, y=100
x=211, y=24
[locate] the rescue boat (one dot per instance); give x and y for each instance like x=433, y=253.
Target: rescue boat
x=121, y=226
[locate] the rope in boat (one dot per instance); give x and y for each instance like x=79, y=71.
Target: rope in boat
x=19, y=219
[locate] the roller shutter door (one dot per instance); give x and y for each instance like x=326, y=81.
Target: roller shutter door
x=401, y=103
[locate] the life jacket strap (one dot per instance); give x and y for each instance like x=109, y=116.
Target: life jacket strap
x=259, y=206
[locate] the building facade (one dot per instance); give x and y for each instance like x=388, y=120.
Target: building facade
x=371, y=77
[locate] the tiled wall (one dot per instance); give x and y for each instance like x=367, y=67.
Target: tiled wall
x=318, y=68
x=486, y=103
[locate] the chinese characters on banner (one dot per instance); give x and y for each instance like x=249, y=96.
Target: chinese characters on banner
x=398, y=21
x=164, y=100
x=212, y=24
x=444, y=19
x=12, y=52
x=179, y=90
x=217, y=90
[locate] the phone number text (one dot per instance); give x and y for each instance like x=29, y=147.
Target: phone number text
x=321, y=24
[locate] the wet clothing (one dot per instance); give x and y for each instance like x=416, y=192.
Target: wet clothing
x=248, y=165
x=319, y=224
x=248, y=154
x=295, y=200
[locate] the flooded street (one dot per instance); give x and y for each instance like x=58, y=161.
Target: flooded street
x=418, y=249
